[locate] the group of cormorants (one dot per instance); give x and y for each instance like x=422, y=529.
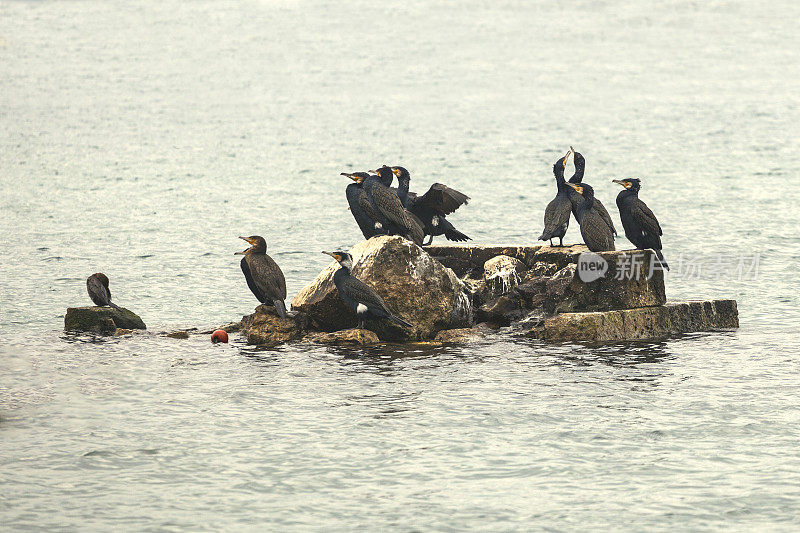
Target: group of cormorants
x=597, y=229
x=380, y=209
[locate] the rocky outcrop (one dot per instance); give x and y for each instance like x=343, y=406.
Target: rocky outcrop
x=264, y=326
x=459, y=336
x=101, y=319
x=414, y=286
x=354, y=336
x=640, y=323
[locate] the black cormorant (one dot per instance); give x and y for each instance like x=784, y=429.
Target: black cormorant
x=640, y=224
x=577, y=177
x=360, y=297
x=263, y=275
x=97, y=285
x=595, y=231
x=556, y=214
x=361, y=208
x=432, y=207
x=393, y=218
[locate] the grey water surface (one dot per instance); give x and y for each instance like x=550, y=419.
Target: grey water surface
x=140, y=138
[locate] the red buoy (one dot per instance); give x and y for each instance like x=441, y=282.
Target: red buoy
x=219, y=336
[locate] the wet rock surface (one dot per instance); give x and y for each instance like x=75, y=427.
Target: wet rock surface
x=460, y=335
x=97, y=319
x=353, y=336
x=414, y=286
x=264, y=326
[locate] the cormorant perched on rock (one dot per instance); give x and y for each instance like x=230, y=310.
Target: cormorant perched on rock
x=97, y=285
x=640, y=224
x=596, y=233
x=360, y=206
x=360, y=297
x=556, y=214
x=432, y=207
x=577, y=177
x=263, y=275
x=393, y=218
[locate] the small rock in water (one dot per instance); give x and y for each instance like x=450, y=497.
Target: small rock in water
x=178, y=335
x=218, y=336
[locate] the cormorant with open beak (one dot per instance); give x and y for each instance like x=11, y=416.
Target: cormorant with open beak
x=263, y=275
x=556, y=214
x=432, y=207
x=97, y=286
x=577, y=177
x=640, y=224
x=595, y=231
x=360, y=297
x=393, y=218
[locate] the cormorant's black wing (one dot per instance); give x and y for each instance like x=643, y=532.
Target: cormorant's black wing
x=442, y=199
x=260, y=296
x=390, y=206
x=98, y=292
x=268, y=277
x=556, y=214
x=366, y=224
x=603, y=212
x=646, y=219
x=369, y=209
x=596, y=232
x=363, y=294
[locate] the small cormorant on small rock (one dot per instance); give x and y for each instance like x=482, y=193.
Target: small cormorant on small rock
x=577, y=177
x=263, y=275
x=556, y=214
x=97, y=285
x=360, y=297
x=640, y=224
x=432, y=207
x=596, y=233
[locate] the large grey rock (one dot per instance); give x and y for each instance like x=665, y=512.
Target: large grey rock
x=264, y=326
x=101, y=319
x=414, y=286
x=638, y=324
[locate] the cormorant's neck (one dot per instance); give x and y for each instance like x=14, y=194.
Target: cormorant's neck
x=343, y=271
x=578, y=176
x=402, y=190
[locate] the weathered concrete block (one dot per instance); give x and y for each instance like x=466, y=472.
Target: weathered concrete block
x=639, y=324
x=414, y=286
x=101, y=319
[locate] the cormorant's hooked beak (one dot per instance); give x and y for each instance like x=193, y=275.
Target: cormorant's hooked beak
x=624, y=183
x=244, y=252
x=353, y=177
x=576, y=187
x=566, y=157
x=396, y=171
x=334, y=255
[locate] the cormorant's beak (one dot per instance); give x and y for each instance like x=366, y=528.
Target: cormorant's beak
x=243, y=252
x=396, y=171
x=357, y=179
x=624, y=183
x=576, y=187
x=247, y=239
x=373, y=171
x=335, y=256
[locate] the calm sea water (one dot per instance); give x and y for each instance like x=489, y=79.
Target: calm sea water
x=139, y=139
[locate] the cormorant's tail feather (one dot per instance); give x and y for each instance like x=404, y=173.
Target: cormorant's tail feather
x=400, y=321
x=115, y=306
x=280, y=307
x=661, y=259
x=455, y=235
